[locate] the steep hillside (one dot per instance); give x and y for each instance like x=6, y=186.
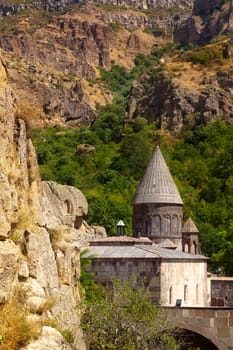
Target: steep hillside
x=52, y=58
x=42, y=230
x=186, y=89
x=209, y=19
x=14, y=6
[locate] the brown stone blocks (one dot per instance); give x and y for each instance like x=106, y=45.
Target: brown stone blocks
x=195, y=313
x=231, y=334
x=223, y=333
x=222, y=313
x=206, y=322
x=210, y=313
x=221, y=322
x=231, y=320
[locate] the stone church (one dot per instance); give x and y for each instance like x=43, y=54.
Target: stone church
x=163, y=252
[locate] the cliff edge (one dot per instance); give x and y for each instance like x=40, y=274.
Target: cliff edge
x=41, y=232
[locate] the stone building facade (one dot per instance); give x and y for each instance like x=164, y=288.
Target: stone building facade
x=221, y=291
x=169, y=275
x=162, y=254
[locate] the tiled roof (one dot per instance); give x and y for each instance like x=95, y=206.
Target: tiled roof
x=140, y=252
x=190, y=227
x=157, y=185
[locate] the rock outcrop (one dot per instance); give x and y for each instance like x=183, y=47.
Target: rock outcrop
x=148, y=4
x=53, y=61
x=42, y=230
x=158, y=97
x=133, y=20
x=9, y=8
x=209, y=19
x=51, y=64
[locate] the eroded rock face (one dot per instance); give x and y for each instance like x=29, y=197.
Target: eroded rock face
x=7, y=9
x=65, y=204
x=42, y=231
x=51, y=66
x=18, y=166
x=209, y=19
x=66, y=44
x=8, y=269
x=175, y=107
x=148, y=4
x=53, y=61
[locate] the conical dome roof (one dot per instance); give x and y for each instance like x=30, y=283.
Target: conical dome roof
x=157, y=185
x=190, y=227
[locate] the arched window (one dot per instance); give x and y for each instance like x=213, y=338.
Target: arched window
x=175, y=224
x=156, y=225
x=170, y=295
x=195, y=248
x=180, y=224
x=148, y=226
x=68, y=208
x=185, y=293
x=167, y=224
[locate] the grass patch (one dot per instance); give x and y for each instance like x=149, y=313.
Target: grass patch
x=157, y=32
x=205, y=55
x=15, y=330
x=115, y=26
x=28, y=20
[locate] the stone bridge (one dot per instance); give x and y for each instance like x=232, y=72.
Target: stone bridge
x=214, y=325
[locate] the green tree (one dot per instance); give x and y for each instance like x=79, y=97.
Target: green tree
x=107, y=212
x=123, y=318
x=134, y=154
x=224, y=256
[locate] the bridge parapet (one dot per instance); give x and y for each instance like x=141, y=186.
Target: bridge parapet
x=213, y=323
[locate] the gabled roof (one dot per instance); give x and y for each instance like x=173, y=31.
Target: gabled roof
x=157, y=185
x=167, y=243
x=190, y=227
x=140, y=252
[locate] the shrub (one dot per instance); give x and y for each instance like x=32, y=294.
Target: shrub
x=15, y=329
x=125, y=318
x=205, y=55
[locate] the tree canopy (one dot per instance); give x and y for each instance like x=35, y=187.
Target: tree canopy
x=201, y=162
x=125, y=318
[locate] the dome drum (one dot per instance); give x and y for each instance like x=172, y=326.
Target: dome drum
x=158, y=221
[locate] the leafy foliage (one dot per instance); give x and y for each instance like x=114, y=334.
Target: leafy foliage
x=201, y=163
x=224, y=256
x=124, y=318
x=205, y=55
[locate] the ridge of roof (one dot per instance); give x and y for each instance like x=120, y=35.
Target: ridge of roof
x=171, y=254
x=157, y=184
x=122, y=240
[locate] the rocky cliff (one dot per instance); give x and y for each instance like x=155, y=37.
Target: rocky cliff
x=42, y=230
x=148, y=4
x=46, y=68
x=52, y=59
x=12, y=6
x=179, y=95
x=209, y=19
